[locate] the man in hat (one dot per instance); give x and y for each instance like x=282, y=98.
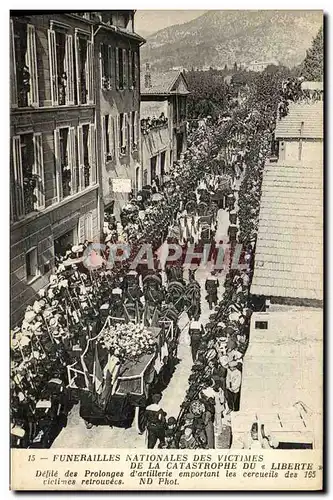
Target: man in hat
x=233, y=385
x=211, y=286
x=155, y=422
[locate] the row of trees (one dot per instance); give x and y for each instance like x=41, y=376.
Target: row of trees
x=213, y=90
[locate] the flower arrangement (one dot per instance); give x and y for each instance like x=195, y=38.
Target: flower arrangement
x=128, y=341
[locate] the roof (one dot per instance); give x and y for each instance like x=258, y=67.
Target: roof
x=289, y=249
x=164, y=83
x=283, y=365
x=313, y=86
x=311, y=114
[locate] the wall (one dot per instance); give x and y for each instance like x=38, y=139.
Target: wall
x=153, y=108
x=113, y=102
x=40, y=229
x=312, y=150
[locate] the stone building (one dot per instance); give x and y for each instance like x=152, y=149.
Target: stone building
x=163, y=121
x=74, y=78
x=117, y=70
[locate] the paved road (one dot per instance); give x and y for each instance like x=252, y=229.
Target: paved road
x=76, y=435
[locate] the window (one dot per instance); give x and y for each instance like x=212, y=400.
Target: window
x=28, y=170
x=23, y=59
x=120, y=68
x=61, y=67
x=66, y=167
x=153, y=162
x=122, y=132
x=84, y=69
x=64, y=243
x=182, y=111
x=108, y=137
x=130, y=70
x=87, y=155
x=106, y=66
x=261, y=325
x=135, y=68
x=162, y=164
x=134, y=130
x=31, y=264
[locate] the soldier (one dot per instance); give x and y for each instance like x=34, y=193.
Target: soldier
x=196, y=332
x=211, y=286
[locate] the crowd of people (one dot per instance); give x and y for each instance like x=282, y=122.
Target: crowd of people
x=154, y=122
x=69, y=308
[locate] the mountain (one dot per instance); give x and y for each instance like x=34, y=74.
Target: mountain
x=222, y=37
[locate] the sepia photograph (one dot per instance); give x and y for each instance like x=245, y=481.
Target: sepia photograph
x=166, y=246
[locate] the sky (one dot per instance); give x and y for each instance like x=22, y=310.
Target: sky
x=150, y=21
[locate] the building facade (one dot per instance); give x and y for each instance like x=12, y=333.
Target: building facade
x=163, y=115
x=117, y=60
x=65, y=79
x=299, y=135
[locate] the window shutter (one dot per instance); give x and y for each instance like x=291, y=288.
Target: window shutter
x=57, y=163
x=101, y=64
x=39, y=171
x=118, y=135
x=136, y=69
x=103, y=139
x=111, y=136
x=72, y=158
x=90, y=72
x=69, y=69
x=117, y=68
x=32, y=65
x=135, y=133
x=130, y=74
x=92, y=153
x=81, y=157
x=18, y=177
x=129, y=130
x=53, y=67
x=80, y=230
x=88, y=227
x=13, y=81
x=77, y=67
x=110, y=66
x=124, y=131
x=125, y=69
x=109, y=132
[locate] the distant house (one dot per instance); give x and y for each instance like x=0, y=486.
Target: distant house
x=299, y=135
x=163, y=114
x=260, y=65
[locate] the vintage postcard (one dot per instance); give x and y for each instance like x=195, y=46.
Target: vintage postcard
x=166, y=258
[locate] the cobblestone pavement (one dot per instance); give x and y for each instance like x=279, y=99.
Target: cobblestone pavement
x=76, y=435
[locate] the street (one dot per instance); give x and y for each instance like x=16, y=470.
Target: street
x=76, y=435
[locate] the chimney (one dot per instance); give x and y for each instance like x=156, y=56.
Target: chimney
x=147, y=77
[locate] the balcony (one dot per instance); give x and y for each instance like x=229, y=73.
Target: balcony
x=149, y=124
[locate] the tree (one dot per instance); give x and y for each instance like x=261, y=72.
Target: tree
x=313, y=66
x=235, y=66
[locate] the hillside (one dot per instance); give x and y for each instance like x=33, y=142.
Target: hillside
x=217, y=38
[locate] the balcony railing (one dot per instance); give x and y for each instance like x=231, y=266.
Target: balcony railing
x=148, y=124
